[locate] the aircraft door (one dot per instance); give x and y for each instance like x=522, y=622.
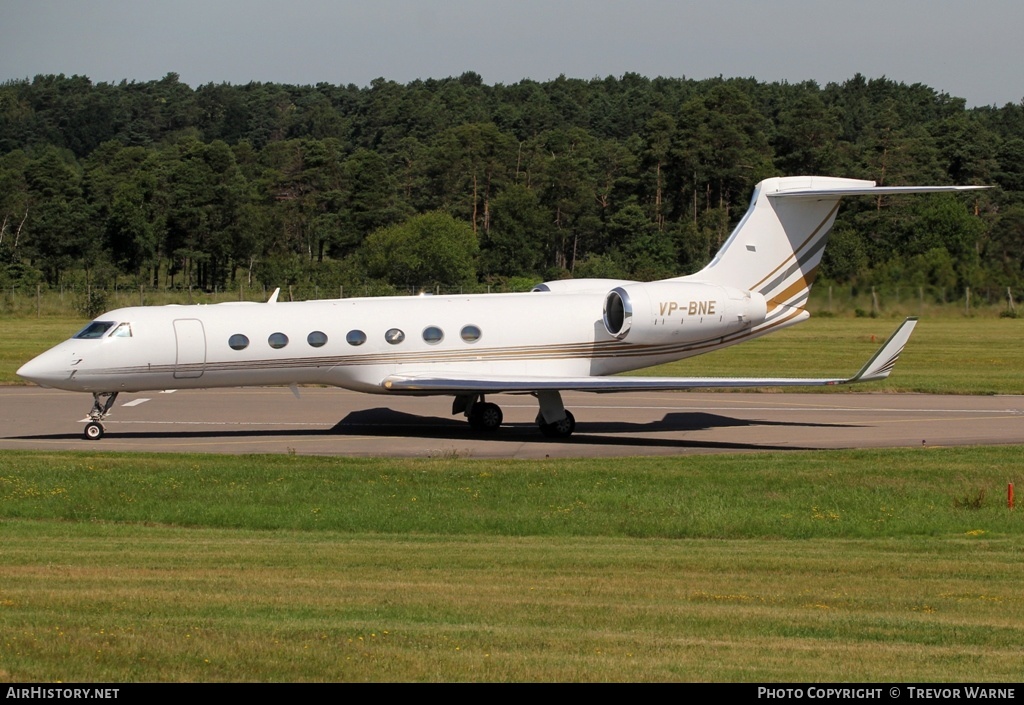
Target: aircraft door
x=191, y=343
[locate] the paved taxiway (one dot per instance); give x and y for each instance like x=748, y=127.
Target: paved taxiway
x=336, y=422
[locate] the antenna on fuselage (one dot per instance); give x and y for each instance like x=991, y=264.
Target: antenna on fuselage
x=273, y=297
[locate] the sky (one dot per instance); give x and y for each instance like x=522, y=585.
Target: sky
x=970, y=49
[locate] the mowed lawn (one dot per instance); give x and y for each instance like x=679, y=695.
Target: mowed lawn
x=859, y=566
x=952, y=354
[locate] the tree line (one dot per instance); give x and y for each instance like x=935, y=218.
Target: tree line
x=452, y=182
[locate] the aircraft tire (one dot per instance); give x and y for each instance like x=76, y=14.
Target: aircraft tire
x=93, y=431
x=486, y=417
x=559, y=429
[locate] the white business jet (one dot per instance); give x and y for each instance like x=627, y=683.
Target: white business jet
x=564, y=335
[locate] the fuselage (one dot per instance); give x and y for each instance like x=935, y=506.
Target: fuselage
x=357, y=343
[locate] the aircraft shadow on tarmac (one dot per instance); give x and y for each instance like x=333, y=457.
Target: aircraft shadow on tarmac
x=386, y=422
x=389, y=423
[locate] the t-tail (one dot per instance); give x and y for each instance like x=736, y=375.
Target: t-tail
x=777, y=247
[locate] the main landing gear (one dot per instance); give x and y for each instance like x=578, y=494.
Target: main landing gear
x=101, y=403
x=553, y=420
x=557, y=429
x=483, y=416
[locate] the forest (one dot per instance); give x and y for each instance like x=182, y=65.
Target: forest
x=452, y=184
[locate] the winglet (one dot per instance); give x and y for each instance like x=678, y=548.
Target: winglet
x=882, y=362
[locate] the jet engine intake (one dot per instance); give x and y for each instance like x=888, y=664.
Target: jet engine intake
x=658, y=312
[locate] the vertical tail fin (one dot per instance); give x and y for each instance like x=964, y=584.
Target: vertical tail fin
x=777, y=247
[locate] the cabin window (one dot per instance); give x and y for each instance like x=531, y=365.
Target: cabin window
x=96, y=329
x=238, y=342
x=355, y=337
x=433, y=335
x=122, y=331
x=471, y=334
x=317, y=339
x=394, y=336
x=277, y=340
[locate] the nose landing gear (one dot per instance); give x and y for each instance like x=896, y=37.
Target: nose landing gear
x=101, y=403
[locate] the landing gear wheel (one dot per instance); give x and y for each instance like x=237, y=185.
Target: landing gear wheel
x=558, y=429
x=101, y=404
x=93, y=431
x=486, y=417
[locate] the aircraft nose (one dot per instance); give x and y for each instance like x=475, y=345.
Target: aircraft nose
x=45, y=370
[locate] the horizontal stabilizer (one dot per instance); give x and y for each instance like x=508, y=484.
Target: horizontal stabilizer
x=877, y=368
x=867, y=190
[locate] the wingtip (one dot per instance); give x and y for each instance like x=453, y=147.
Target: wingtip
x=882, y=362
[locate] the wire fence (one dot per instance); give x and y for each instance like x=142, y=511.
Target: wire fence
x=915, y=300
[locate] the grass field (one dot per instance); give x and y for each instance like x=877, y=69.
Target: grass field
x=945, y=355
x=822, y=566
x=887, y=565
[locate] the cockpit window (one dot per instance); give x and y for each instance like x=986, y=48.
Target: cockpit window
x=96, y=329
x=122, y=331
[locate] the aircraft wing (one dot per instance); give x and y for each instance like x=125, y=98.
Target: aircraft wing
x=877, y=368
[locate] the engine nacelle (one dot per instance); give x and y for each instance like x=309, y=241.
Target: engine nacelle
x=664, y=312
